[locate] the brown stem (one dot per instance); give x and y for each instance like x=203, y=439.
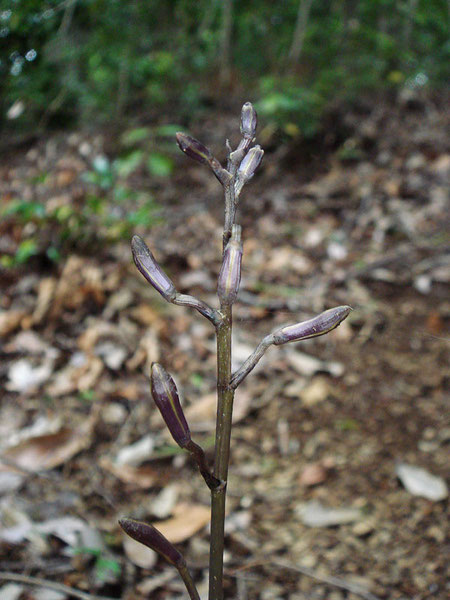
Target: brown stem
x=189, y=583
x=251, y=361
x=222, y=454
x=198, y=454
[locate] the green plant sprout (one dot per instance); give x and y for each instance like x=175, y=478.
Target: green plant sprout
x=241, y=166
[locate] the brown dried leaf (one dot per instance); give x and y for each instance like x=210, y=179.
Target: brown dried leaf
x=10, y=320
x=45, y=452
x=79, y=280
x=313, y=474
x=143, y=477
x=187, y=520
x=201, y=415
x=47, y=287
x=74, y=378
x=146, y=315
x=148, y=351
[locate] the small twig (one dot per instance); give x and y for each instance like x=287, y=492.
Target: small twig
x=353, y=588
x=338, y=582
x=51, y=585
x=28, y=472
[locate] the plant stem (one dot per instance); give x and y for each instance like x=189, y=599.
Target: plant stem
x=222, y=453
x=189, y=583
x=199, y=455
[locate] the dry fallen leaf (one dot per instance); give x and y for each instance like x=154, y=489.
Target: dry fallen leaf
x=313, y=474
x=78, y=282
x=48, y=451
x=317, y=391
x=187, y=520
x=143, y=477
x=201, y=415
x=10, y=320
x=148, y=351
x=80, y=374
x=146, y=315
x=47, y=287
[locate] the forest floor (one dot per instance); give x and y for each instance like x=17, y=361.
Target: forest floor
x=321, y=502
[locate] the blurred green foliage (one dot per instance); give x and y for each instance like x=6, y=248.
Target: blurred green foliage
x=136, y=65
x=99, y=60
x=109, y=210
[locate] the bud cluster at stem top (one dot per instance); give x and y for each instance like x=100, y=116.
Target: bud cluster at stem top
x=249, y=120
x=250, y=163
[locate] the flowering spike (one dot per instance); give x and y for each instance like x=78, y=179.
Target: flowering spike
x=147, y=265
x=152, y=538
x=194, y=149
x=250, y=163
x=323, y=323
x=249, y=120
x=165, y=395
x=230, y=273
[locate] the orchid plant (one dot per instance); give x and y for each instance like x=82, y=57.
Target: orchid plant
x=241, y=166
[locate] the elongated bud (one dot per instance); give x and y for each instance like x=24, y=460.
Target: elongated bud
x=230, y=273
x=250, y=163
x=152, y=538
x=165, y=395
x=194, y=149
x=249, y=120
x=147, y=265
x=323, y=323
x=197, y=151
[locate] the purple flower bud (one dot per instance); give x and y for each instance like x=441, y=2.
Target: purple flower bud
x=194, y=149
x=249, y=120
x=165, y=395
x=152, y=538
x=147, y=265
x=250, y=163
x=323, y=323
x=230, y=273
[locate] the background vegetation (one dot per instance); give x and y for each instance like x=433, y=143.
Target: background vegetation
x=135, y=69
x=94, y=61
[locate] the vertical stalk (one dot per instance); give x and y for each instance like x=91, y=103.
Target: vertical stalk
x=222, y=453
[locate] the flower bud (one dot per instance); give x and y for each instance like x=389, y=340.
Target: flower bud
x=230, y=273
x=165, y=395
x=152, y=538
x=249, y=120
x=194, y=149
x=147, y=265
x=323, y=323
x=250, y=163
x=197, y=151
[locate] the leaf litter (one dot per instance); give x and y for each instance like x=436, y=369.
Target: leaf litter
x=323, y=423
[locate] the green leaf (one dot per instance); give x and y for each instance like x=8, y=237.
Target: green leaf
x=168, y=130
x=159, y=165
x=26, y=250
x=127, y=165
x=134, y=136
